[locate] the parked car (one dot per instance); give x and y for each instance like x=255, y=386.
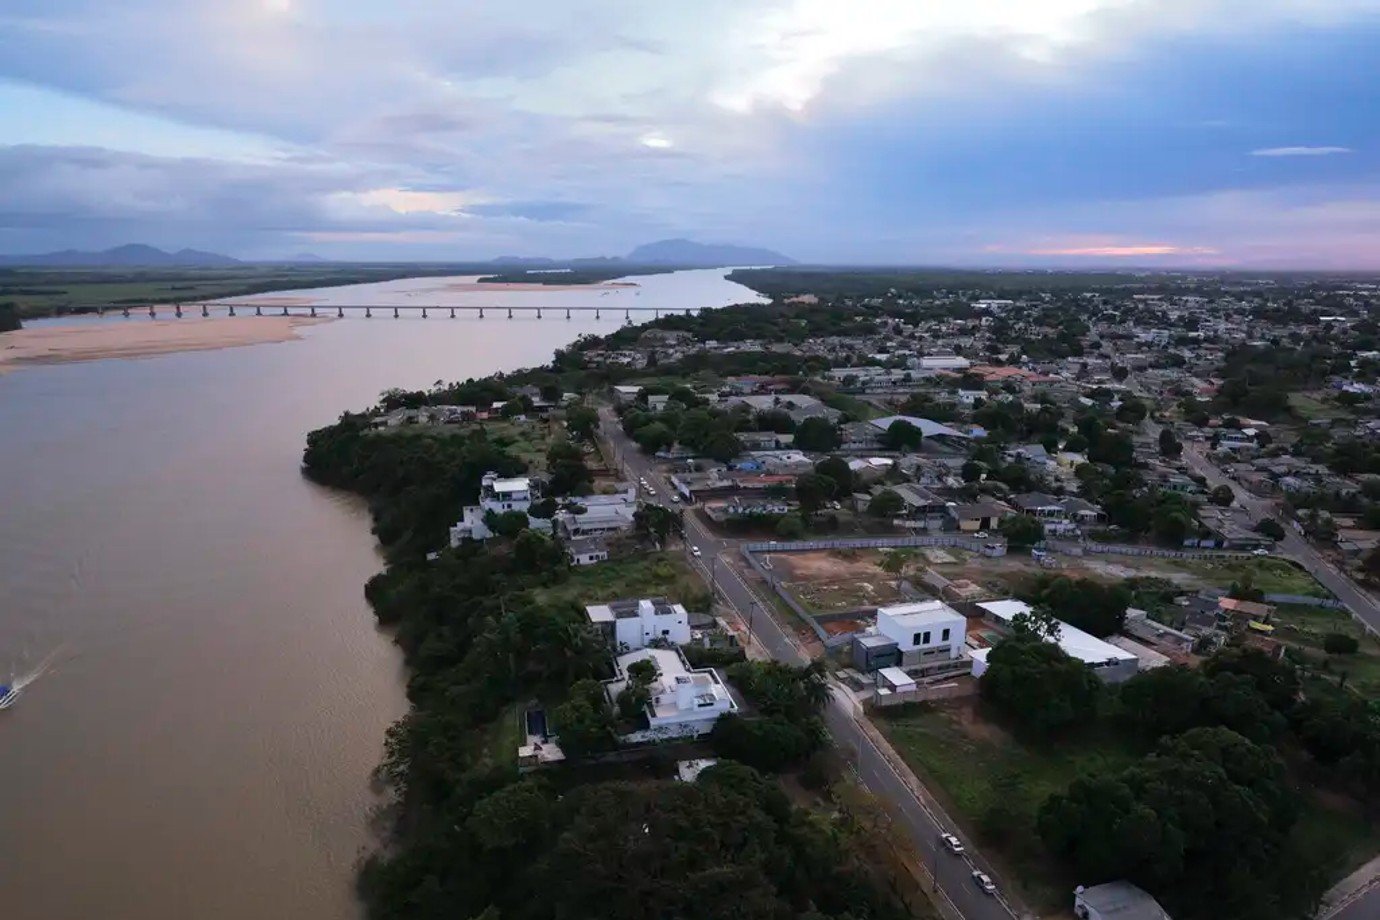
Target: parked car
x=984, y=882
x=1262, y=551
x=675, y=499
x=951, y=843
x=695, y=551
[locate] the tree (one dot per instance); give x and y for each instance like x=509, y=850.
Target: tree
x=9, y=317
x=896, y=562
x=1340, y=644
x=1083, y=602
x=972, y=471
x=633, y=698
x=1021, y=530
x=581, y=422
x=723, y=446
x=1170, y=447
x=567, y=473
x=1171, y=525
x=655, y=522
x=837, y=469
x=1277, y=681
x=1270, y=528
x=812, y=490
x=886, y=504
x=654, y=437
x=1132, y=411
x=817, y=435
x=1038, y=687
x=584, y=722
x=770, y=743
x=506, y=523
x=903, y=436
x=790, y=527
x=1221, y=495
x=1370, y=563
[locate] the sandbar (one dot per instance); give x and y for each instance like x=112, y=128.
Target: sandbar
x=138, y=338
x=532, y=286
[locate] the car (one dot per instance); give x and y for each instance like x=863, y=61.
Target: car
x=1260, y=552
x=695, y=551
x=981, y=535
x=836, y=506
x=984, y=882
x=675, y=499
x=951, y=843
x=651, y=491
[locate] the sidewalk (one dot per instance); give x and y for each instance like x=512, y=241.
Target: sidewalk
x=1350, y=889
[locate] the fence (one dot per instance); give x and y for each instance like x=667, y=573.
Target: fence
x=1122, y=549
x=959, y=541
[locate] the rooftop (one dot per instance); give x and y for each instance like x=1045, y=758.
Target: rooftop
x=928, y=428
x=1122, y=901
x=920, y=613
x=628, y=609
x=1075, y=642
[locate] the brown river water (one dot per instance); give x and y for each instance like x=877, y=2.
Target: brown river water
x=213, y=690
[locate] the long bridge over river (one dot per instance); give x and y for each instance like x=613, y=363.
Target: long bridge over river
x=425, y=311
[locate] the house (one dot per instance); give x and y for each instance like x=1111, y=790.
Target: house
x=597, y=520
x=860, y=436
x=626, y=394
x=975, y=518
x=928, y=428
x=684, y=702
x=1113, y=665
x=1116, y=901
x=765, y=440
x=798, y=406
x=634, y=624
x=923, y=508
x=586, y=551
x=497, y=495
x=1058, y=514
x=1238, y=612
x=872, y=652
x=924, y=630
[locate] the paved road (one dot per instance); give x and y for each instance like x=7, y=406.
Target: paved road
x=923, y=822
x=1293, y=545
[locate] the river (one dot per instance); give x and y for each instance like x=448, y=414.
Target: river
x=201, y=742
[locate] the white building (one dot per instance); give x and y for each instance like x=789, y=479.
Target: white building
x=586, y=551
x=1108, y=662
x=684, y=703
x=944, y=363
x=498, y=495
x=634, y=624
x=923, y=631
x=1116, y=901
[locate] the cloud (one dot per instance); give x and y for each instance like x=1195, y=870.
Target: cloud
x=1299, y=151
x=1135, y=250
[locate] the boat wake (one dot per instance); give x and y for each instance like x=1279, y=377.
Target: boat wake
x=10, y=690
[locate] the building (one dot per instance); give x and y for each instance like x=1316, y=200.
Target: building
x=1113, y=665
x=798, y=406
x=872, y=652
x=977, y=517
x=923, y=631
x=1116, y=901
x=601, y=520
x=586, y=551
x=1058, y=514
x=498, y=495
x=635, y=624
x=928, y=428
x=684, y=702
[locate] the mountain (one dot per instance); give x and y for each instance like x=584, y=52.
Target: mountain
x=131, y=255
x=705, y=255
x=522, y=260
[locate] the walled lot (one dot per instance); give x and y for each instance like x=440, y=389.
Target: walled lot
x=829, y=581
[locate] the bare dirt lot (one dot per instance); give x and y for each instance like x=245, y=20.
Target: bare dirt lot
x=829, y=581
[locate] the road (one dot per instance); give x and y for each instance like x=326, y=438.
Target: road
x=922, y=820
x=1293, y=546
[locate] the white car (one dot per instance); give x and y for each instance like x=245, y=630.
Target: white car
x=675, y=499
x=984, y=882
x=951, y=843
x=1260, y=552
x=695, y=551
x=651, y=491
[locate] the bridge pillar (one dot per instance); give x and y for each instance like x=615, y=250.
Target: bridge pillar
x=258, y=311
x=285, y=311
x=687, y=311
x=232, y=309
x=125, y=311
x=313, y=311
x=510, y=312
x=100, y=311
x=368, y=313
x=395, y=312
x=177, y=310
x=204, y=311
x=567, y=313
x=339, y=312
x=153, y=314
x=538, y=312
x=596, y=312
x=423, y=312
x=452, y=313
x=481, y=312
x=627, y=316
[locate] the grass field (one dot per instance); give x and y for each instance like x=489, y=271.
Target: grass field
x=1306, y=628
x=650, y=575
x=1309, y=406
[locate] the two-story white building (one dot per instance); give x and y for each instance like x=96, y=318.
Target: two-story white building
x=923, y=631
x=628, y=625
x=684, y=702
x=499, y=495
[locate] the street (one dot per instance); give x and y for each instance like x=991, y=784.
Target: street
x=922, y=821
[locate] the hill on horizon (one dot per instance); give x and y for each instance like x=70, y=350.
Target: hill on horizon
x=705, y=255
x=131, y=255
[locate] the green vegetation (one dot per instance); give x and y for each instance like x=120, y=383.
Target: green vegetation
x=9, y=317
x=1272, y=576
x=47, y=291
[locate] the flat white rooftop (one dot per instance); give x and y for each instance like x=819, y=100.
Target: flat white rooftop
x=920, y=613
x=1075, y=642
x=522, y=484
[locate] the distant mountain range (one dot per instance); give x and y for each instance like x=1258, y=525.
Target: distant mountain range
x=671, y=253
x=129, y=256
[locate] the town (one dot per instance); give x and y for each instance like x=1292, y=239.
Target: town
x=1031, y=559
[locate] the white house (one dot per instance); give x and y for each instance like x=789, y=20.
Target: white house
x=924, y=630
x=1108, y=662
x=600, y=520
x=499, y=495
x=586, y=551
x=1116, y=901
x=634, y=624
x=684, y=703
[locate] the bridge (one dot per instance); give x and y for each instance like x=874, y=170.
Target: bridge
x=425, y=311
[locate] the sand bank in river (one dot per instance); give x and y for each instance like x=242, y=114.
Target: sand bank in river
x=137, y=338
x=532, y=286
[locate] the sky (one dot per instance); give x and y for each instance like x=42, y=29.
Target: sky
x=1068, y=133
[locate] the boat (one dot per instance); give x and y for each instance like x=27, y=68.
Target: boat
x=8, y=694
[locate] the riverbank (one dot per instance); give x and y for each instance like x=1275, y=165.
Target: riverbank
x=95, y=340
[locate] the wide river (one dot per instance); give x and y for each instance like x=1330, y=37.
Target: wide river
x=216, y=692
